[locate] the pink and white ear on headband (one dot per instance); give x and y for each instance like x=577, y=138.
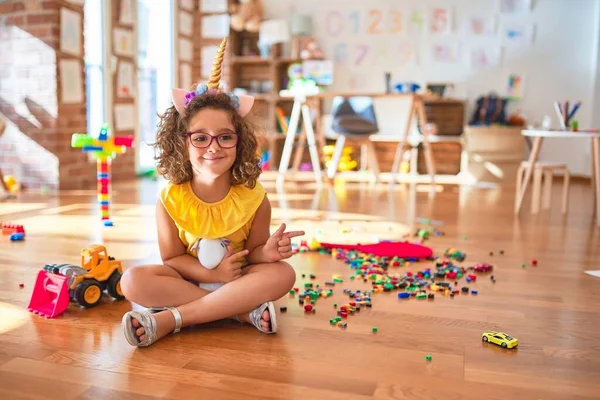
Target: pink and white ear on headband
x=182, y=97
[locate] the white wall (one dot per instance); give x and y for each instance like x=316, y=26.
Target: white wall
x=561, y=64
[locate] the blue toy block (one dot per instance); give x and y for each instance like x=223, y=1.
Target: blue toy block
x=15, y=237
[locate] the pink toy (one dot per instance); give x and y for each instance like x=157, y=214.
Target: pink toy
x=50, y=296
x=387, y=249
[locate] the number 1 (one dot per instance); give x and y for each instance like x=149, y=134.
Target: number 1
x=355, y=17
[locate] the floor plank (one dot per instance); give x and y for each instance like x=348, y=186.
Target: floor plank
x=22, y=385
x=94, y=393
x=552, y=308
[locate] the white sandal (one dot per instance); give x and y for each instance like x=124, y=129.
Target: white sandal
x=148, y=322
x=256, y=316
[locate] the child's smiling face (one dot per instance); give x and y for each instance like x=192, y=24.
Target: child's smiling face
x=218, y=158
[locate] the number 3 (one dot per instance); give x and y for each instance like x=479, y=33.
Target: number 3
x=397, y=22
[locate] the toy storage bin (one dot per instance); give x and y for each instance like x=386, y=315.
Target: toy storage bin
x=494, y=152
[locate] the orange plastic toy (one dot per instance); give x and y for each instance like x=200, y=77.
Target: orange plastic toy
x=57, y=284
x=9, y=229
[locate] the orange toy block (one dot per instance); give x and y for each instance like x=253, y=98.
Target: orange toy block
x=9, y=229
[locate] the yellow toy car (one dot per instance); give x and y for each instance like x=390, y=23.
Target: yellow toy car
x=57, y=284
x=501, y=339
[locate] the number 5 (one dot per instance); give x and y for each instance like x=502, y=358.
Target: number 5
x=440, y=20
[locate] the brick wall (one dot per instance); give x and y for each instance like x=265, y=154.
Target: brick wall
x=200, y=42
x=36, y=147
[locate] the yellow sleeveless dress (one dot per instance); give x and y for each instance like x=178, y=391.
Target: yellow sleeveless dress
x=230, y=218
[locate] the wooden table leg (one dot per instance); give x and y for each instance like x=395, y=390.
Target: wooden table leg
x=594, y=178
x=402, y=144
x=429, y=161
x=537, y=145
x=596, y=187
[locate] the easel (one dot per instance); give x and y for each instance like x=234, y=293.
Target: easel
x=302, y=103
x=307, y=135
x=417, y=110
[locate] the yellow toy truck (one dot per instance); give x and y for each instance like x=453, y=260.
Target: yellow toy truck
x=57, y=284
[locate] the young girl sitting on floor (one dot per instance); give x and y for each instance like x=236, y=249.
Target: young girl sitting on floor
x=208, y=152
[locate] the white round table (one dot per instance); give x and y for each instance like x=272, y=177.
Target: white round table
x=539, y=136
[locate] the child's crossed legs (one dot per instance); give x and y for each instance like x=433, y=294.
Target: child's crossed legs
x=162, y=286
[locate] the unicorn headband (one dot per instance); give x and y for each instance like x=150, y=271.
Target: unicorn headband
x=182, y=97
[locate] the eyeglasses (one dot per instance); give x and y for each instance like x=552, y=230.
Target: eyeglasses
x=203, y=140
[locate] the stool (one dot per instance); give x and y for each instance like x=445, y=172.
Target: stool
x=354, y=119
x=544, y=193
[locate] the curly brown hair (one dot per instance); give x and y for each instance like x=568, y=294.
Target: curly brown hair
x=171, y=146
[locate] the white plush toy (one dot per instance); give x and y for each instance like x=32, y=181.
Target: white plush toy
x=210, y=254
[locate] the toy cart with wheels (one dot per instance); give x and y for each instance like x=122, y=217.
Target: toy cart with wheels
x=57, y=284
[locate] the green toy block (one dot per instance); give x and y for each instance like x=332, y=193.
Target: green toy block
x=81, y=140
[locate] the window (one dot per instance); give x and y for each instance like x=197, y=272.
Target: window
x=94, y=65
x=155, y=71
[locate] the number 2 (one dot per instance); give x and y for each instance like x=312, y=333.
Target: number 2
x=377, y=17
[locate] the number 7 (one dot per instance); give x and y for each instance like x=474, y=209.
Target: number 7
x=362, y=51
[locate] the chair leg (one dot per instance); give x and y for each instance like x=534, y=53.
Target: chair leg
x=547, y=196
x=337, y=156
x=364, y=157
x=520, y=173
x=565, y=197
x=537, y=190
x=372, y=160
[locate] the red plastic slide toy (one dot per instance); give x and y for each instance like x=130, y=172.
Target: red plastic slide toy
x=387, y=249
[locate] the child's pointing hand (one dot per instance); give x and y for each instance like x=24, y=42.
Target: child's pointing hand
x=279, y=245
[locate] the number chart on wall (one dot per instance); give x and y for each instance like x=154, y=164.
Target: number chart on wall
x=368, y=39
x=413, y=40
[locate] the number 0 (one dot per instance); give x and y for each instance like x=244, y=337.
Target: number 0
x=335, y=23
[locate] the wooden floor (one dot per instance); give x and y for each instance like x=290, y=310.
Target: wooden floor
x=553, y=309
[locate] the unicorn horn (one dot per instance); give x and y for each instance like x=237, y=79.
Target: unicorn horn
x=215, y=73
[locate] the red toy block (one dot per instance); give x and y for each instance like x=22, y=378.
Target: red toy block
x=9, y=229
